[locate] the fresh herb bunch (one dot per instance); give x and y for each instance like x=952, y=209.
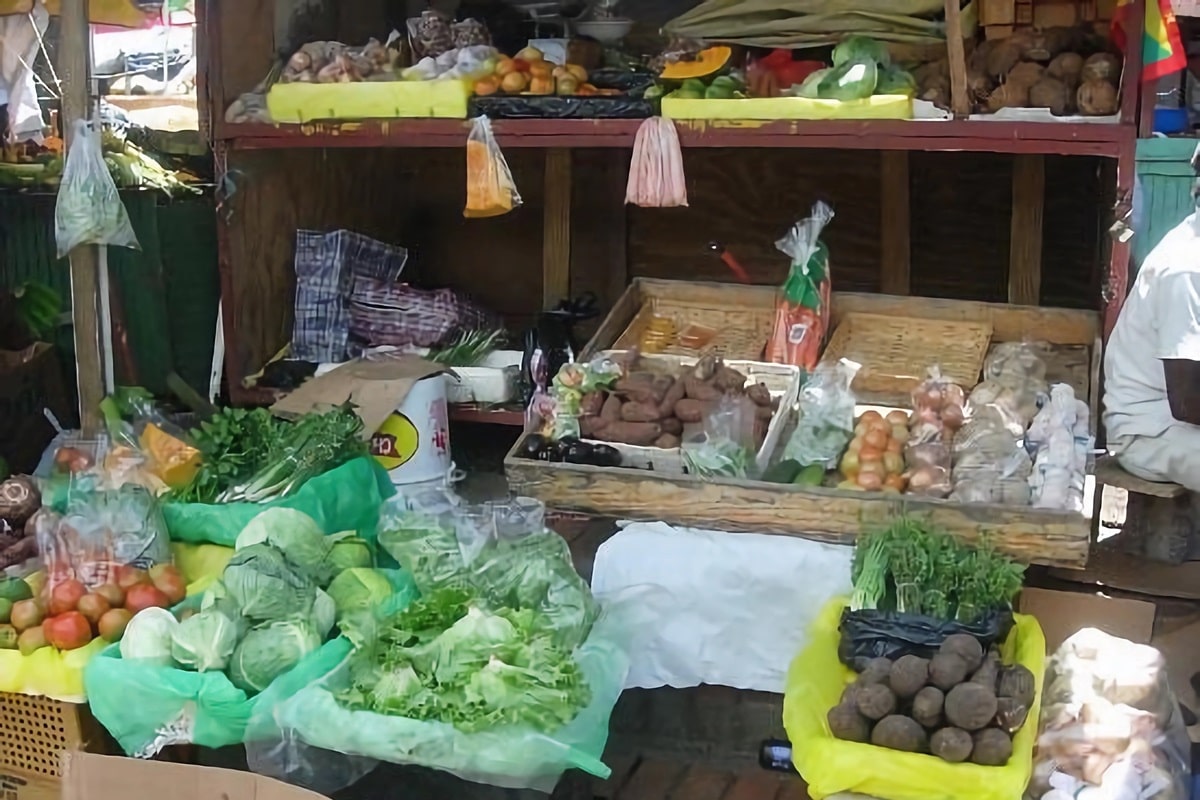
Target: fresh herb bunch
x=468, y=348
x=928, y=572
x=234, y=443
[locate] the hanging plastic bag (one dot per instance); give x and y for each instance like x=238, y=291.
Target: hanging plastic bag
x=826, y=423
x=802, y=307
x=656, y=177
x=89, y=209
x=490, y=187
x=726, y=448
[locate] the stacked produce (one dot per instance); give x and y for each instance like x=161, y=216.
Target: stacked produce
x=27, y=165
x=874, y=460
x=528, y=72
x=862, y=67
x=938, y=414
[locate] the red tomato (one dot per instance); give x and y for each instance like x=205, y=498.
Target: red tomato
x=65, y=596
x=142, y=596
x=68, y=631
x=93, y=606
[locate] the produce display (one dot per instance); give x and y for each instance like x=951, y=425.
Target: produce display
x=20, y=500
x=529, y=71
x=874, y=460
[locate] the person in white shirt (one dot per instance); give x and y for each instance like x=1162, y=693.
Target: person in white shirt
x=1152, y=364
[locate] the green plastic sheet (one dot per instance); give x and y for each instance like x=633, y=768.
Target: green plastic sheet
x=344, y=499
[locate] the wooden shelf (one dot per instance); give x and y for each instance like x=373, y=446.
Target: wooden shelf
x=1060, y=138
x=487, y=415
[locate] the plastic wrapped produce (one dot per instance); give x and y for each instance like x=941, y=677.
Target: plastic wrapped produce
x=1110, y=726
x=1061, y=443
x=990, y=463
x=1014, y=384
x=938, y=413
x=826, y=422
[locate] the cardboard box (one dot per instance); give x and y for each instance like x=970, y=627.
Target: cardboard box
x=92, y=777
x=30, y=380
x=1061, y=614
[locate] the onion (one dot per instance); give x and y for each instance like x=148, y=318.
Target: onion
x=893, y=463
x=934, y=397
x=895, y=418
x=855, y=445
x=869, y=455
x=870, y=417
x=952, y=417
x=900, y=432
x=876, y=439
x=921, y=479
x=870, y=481
x=849, y=465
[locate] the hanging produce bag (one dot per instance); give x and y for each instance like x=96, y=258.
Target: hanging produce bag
x=437, y=684
x=89, y=209
x=344, y=499
x=656, y=178
x=490, y=187
x=802, y=308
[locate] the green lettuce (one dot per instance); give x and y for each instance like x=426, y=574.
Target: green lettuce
x=265, y=586
x=269, y=650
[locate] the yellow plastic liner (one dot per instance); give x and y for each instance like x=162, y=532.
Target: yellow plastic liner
x=828, y=765
x=308, y=102
x=884, y=106
x=200, y=564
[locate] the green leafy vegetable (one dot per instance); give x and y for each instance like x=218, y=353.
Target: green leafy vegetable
x=357, y=588
x=265, y=586
x=861, y=48
x=468, y=348
x=894, y=80
x=204, y=641
x=233, y=444
x=853, y=80
x=297, y=536
x=349, y=552
x=148, y=636
x=269, y=650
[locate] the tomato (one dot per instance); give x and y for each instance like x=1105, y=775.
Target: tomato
x=166, y=579
x=875, y=439
x=141, y=597
x=128, y=576
x=112, y=625
x=93, y=606
x=27, y=614
x=69, y=631
x=31, y=640
x=65, y=596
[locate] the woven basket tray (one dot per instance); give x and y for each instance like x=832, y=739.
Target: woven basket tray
x=897, y=352
x=741, y=331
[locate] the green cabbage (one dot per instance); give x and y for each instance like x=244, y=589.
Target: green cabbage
x=359, y=588
x=148, y=636
x=854, y=80
x=204, y=641
x=811, y=85
x=269, y=650
x=894, y=80
x=324, y=614
x=266, y=586
x=297, y=536
x=861, y=48
x=350, y=552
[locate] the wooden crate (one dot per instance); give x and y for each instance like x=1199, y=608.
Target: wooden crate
x=1058, y=538
x=34, y=734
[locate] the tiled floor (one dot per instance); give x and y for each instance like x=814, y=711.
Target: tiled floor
x=646, y=779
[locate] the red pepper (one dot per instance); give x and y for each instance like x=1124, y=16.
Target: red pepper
x=795, y=72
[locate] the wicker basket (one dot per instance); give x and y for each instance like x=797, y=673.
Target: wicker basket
x=35, y=731
x=896, y=353
x=741, y=331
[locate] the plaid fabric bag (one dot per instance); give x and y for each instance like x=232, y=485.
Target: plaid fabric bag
x=390, y=313
x=327, y=266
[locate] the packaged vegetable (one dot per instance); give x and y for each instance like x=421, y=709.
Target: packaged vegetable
x=938, y=412
x=726, y=447
x=1014, y=384
x=826, y=417
x=204, y=641
x=990, y=463
x=149, y=636
x=1060, y=439
x=802, y=307
x=490, y=187
x=89, y=209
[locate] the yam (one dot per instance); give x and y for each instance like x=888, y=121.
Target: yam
x=877, y=670
x=728, y=379
x=992, y=748
x=696, y=389
x=589, y=427
x=671, y=425
x=1026, y=72
x=875, y=701
x=764, y=413
x=927, y=706
x=1010, y=714
x=668, y=441
x=591, y=403
x=846, y=723
x=688, y=410
x=672, y=396
x=633, y=411
x=1096, y=98
x=947, y=670
x=759, y=394
x=641, y=434
x=1052, y=94
x=1010, y=95
x=989, y=671
x=966, y=647
x=1067, y=67
x=909, y=675
x=970, y=706
x=1003, y=57
x=1103, y=67
x=641, y=387
x=952, y=744
x=611, y=410
x=899, y=733
x=1018, y=683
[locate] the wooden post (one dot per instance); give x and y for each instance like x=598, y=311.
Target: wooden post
x=895, y=256
x=556, y=232
x=74, y=54
x=1025, y=241
x=957, y=55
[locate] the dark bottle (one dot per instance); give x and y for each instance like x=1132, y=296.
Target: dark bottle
x=776, y=755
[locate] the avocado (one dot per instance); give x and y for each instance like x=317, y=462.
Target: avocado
x=715, y=92
x=685, y=94
x=727, y=81
x=693, y=85
x=15, y=589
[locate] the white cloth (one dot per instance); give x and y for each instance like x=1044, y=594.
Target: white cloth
x=731, y=609
x=1159, y=321
x=18, y=49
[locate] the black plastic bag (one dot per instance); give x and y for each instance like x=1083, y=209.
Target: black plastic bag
x=889, y=634
x=630, y=105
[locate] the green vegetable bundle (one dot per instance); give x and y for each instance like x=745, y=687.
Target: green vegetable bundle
x=912, y=568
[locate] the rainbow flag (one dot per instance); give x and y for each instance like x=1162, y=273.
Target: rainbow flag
x=1162, y=47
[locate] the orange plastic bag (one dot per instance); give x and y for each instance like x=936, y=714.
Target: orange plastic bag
x=802, y=308
x=490, y=187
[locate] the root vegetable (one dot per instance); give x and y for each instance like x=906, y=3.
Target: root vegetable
x=1010, y=95
x=966, y=647
x=611, y=410
x=946, y=670
x=989, y=671
x=689, y=410
x=728, y=379
x=1010, y=714
x=1026, y=72
x=846, y=723
x=899, y=733
x=927, y=707
x=909, y=674
x=641, y=434
x=667, y=441
x=639, y=412
x=1102, y=66
x=1096, y=98
x=591, y=403
x=764, y=413
x=1067, y=67
x=642, y=387
x=1002, y=58
x=875, y=701
x=1016, y=682
x=589, y=427
x=970, y=706
x=760, y=395
x=877, y=671
x=993, y=748
x=672, y=396
x=850, y=695
x=952, y=744
x=1048, y=93
x=671, y=425
x=696, y=389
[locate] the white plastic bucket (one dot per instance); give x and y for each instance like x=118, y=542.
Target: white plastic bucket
x=413, y=444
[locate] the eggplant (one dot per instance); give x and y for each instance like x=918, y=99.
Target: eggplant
x=604, y=455
x=533, y=445
x=580, y=453
x=558, y=450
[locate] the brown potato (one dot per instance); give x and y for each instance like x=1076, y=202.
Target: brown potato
x=639, y=412
x=728, y=379
x=759, y=394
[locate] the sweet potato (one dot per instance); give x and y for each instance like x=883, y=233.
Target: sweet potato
x=728, y=379
x=667, y=441
x=611, y=410
x=671, y=425
x=764, y=413
x=636, y=433
x=759, y=394
x=696, y=389
x=689, y=410
x=673, y=395
x=641, y=387
x=591, y=403
x=639, y=412
x=589, y=427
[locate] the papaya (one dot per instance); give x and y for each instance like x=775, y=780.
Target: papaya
x=709, y=61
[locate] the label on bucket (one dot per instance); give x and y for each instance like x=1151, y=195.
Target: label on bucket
x=414, y=448
x=396, y=442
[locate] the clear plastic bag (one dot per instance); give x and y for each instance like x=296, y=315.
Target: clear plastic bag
x=726, y=448
x=802, y=307
x=1061, y=443
x=1014, y=384
x=491, y=190
x=1111, y=728
x=826, y=422
x=990, y=463
x=89, y=209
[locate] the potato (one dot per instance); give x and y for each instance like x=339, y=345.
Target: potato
x=759, y=394
x=1102, y=66
x=1026, y=72
x=1097, y=98
x=951, y=744
x=876, y=670
x=993, y=748
x=639, y=412
x=846, y=723
x=1052, y=94
x=909, y=675
x=641, y=434
x=728, y=379
x=690, y=410
x=1003, y=57
x=966, y=647
x=970, y=706
x=875, y=701
x=899, y=733
x=1010, y=95
x=947, y=670
x=1067, y=68
x=927, y=706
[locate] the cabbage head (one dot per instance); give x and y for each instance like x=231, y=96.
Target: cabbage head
x=269, y=650
x=265, y=585
x=205, y=641
x=324, y=614
x=854, y=80
x=349, y=552
x=148, y=637
x=862, y=49
x=894, y=80
x=359, y=588
x=296, y=535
